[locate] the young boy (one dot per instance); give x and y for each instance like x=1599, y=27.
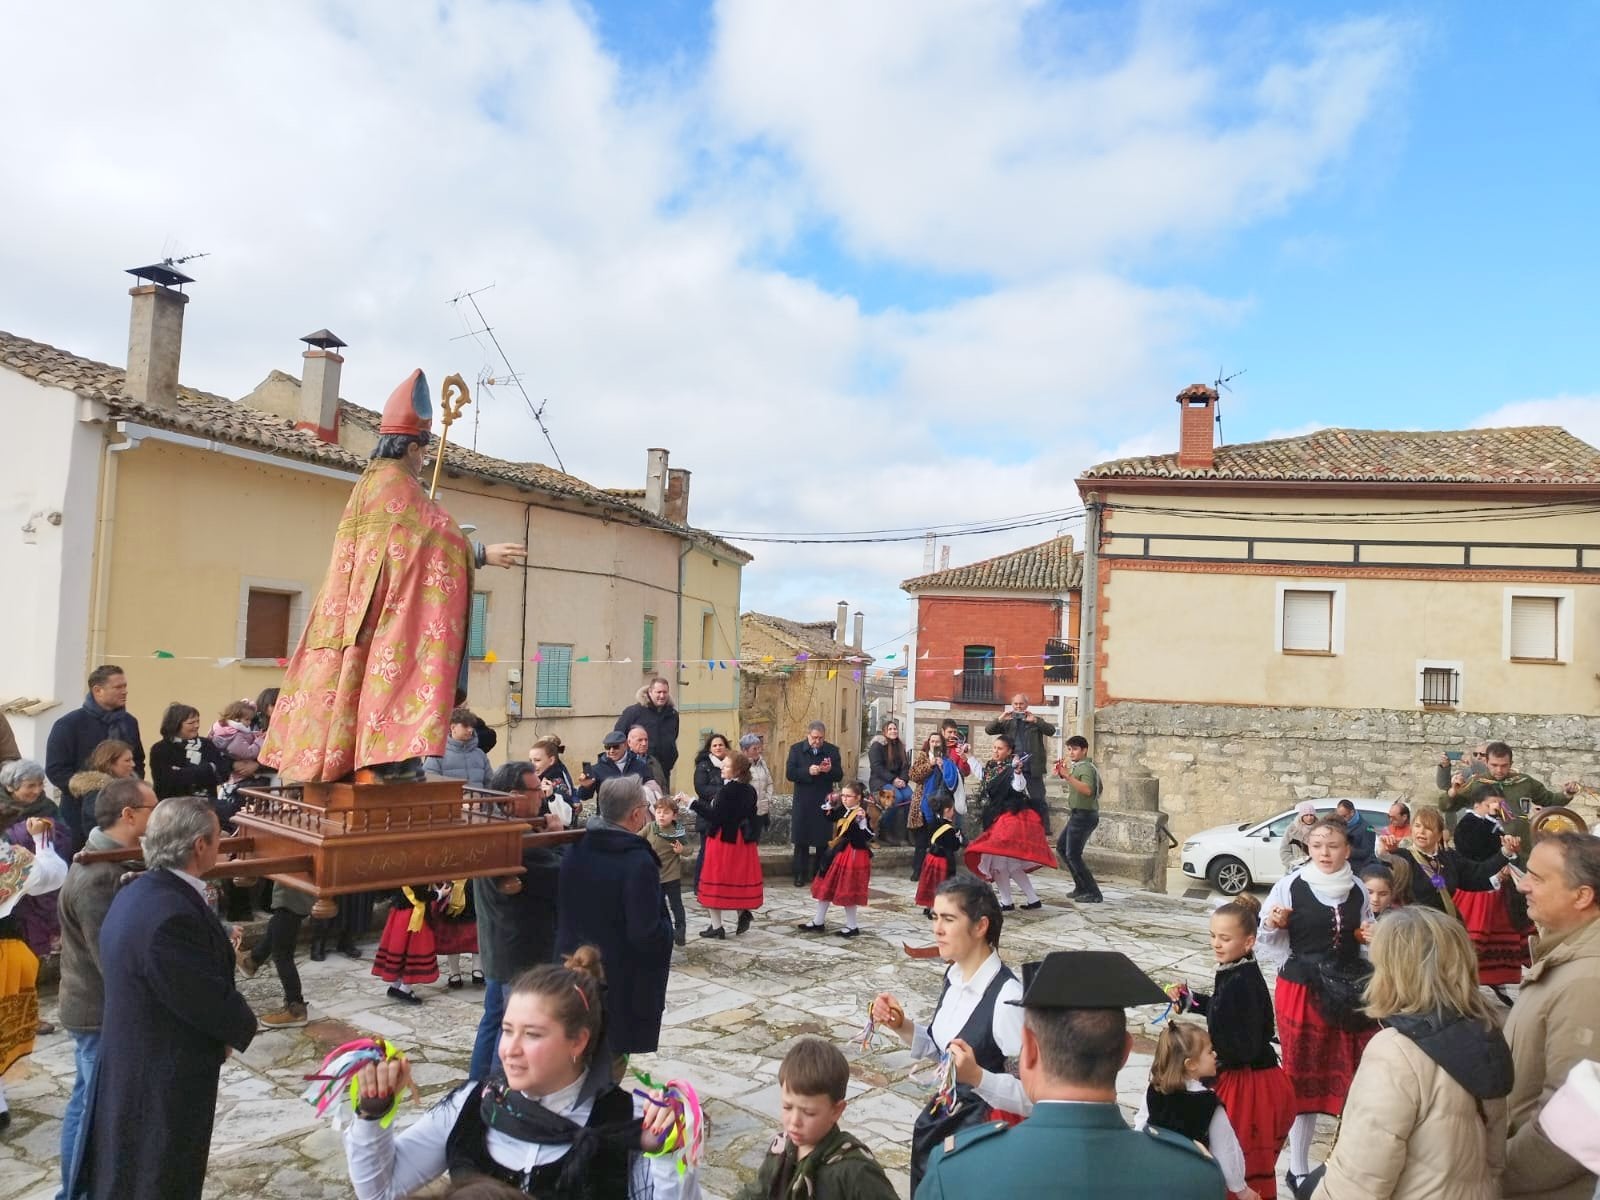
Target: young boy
x=666, y=838
x=813, y=1156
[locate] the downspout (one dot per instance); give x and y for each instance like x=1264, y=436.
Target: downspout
x=677, y=647
x=522, y=654
x=1088, y=624
x=105, y=538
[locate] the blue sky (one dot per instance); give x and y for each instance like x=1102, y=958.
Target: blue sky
x=885, y=264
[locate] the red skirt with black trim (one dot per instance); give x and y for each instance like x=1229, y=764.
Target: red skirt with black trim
x=1319, y=1058
x=1018, y=835
x=935, y=870
x=453, y=935
x=403, y=956
x=846, y=880
x=1261, y=1106
x=1502, y=947
x=730, y=877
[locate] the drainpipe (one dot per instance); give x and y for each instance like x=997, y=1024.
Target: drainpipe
x=105, y=539
x=1088, y=643
x=677, y=645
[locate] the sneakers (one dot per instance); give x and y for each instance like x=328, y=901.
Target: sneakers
x=853, y=931
x=290, y=1016
x=812, y=927
x=745, y=918
x=717, y=935
x=403, y=996
x=246, y=961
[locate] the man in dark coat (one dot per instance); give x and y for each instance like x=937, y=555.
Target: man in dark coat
x=653, y=709
x=616, y=761
x=171, y=1014
x=104, y=715
x=815, y=766
x=1027, y=731
x=610, y=897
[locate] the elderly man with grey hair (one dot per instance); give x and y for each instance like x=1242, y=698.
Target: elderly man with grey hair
x=610, y=897
x=171, y=1016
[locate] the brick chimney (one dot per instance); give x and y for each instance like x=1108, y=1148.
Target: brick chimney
x=840, y=622
x=655, y=481
x=1197, y=427
x=676, y=504
x=155, y=334
x=318, y=409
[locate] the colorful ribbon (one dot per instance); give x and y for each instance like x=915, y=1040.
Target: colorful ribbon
x=686, y=1138
x=340, y=1071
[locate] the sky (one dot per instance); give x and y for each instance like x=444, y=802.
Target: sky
x=859, y=264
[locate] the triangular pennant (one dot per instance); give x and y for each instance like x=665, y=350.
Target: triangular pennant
x=855, y=674
x=226, y=662
x=887, y=657
x=538, y=656
x=626, y=660
x=489, y=656
x=163, y=654
x=766, y=658
x=583, y=658
x=802, y=657
x=832, y=671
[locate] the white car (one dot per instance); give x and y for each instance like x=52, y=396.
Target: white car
x=1234, y=857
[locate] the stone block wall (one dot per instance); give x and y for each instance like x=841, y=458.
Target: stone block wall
x=1220, y=763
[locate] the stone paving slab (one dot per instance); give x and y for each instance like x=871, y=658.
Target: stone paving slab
x=734, y=1007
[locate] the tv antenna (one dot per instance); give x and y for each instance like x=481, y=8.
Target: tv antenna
x=1220, y=385
x=176, y=262
x=511, y=376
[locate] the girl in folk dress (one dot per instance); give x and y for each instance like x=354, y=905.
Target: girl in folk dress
x=1238, y=1012
x=1177, y=1100
x=1317, y=913
x=1499, y=936
x=731, y=875
x=944, y=854
x=849, y=873
x=406, y=951
x=1013, y=842
x=455, y=930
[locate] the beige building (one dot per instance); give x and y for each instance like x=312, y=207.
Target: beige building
x=796, y=672
x=183, y=535
x=1324, y=615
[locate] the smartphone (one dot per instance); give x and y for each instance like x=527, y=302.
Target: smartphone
x=588, y=770
x=1022, y=760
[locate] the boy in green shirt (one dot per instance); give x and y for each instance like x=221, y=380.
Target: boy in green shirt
x=1083, y=797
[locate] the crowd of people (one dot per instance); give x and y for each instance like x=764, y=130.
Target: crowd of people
x=1392, y=1009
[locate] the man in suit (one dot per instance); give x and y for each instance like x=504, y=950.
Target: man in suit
x=1075, y=1144
x=171, y=1016
x=815, y=766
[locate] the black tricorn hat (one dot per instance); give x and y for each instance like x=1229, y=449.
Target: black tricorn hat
x=1086, y=979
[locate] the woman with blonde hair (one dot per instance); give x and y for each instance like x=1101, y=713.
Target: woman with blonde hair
x=1426, y=1114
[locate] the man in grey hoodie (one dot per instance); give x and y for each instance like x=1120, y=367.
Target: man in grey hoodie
x=121, y=812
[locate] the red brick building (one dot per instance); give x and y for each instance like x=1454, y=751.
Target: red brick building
x=990, y=629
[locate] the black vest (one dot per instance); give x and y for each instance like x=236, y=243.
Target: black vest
x=1187, y=1113
x=606, y=1177
x=978, y=1032
x=1313, y=939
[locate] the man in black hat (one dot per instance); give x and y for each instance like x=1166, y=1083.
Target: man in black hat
x=1075, y=1143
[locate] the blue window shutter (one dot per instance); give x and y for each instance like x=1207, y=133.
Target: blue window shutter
x=478, y=626
x=555, y=677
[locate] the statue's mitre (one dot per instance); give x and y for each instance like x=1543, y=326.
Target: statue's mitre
x=409, y=408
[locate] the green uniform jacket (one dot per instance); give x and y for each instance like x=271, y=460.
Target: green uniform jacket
x=1068, y=1152
x=839, y=1168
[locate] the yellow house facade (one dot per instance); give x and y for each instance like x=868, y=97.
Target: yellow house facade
x=796, y=672
x=1325, y=615
x=193, y=557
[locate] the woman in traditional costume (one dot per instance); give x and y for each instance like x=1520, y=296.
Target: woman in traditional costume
x=550, y=1121
x=1496, y=916
x=1013, y=842
x=977, y=1022
x=731, y=879
x=22, y=873
x=1318, y=914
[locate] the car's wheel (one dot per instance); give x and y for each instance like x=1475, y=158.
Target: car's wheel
x=1228, y=875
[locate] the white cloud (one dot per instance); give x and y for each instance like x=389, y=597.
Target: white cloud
x=356, y=167
x=1578, y=415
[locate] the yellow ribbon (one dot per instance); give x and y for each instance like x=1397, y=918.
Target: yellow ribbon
x=419, y=911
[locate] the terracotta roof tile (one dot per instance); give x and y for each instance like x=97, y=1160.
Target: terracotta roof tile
x=1048, y=567
x=814, y=638
x=204, y=414
x=1530, y=454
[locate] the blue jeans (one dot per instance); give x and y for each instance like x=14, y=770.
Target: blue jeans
x=85, y=1052
x=1074, y=837
x=487, y=1043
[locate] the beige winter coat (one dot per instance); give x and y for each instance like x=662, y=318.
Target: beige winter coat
x=1411, y=1132
x=1554, y=1023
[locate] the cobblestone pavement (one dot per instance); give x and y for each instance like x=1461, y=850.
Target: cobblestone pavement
x=733, y=1008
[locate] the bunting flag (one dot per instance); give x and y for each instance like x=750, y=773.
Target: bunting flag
x=538, y=656
x=855, y=675
x=832, y=671
x=489, y=656
x=163, y=654
x=583, y=658
x=766, y=658
x=802, y=657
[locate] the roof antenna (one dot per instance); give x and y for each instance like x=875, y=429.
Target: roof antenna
x=1220, y=385
x=511, y=376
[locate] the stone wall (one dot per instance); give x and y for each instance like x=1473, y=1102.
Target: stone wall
x=1218, y=763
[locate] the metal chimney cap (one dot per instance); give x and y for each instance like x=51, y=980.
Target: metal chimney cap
x=160, y=273
x=324, y=339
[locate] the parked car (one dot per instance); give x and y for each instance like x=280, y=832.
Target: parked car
x=1235, y=857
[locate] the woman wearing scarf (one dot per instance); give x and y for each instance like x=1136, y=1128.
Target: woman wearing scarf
x=887, y=766
x=1318, y=914
x=707, y=783
x=183, y=763
x=933, y=772
x=22, y=798
x=22, y=874
x=550, y=1121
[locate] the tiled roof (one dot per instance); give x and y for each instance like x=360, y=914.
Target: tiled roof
x=207, y=415
x=1048, y=567
x=1529, y=454
x=814, y=638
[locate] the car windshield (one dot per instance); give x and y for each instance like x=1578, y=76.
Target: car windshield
x=1374, y=819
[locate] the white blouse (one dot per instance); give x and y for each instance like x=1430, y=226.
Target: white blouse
x=1277, y=940
x=1222, y=1141
x=1002, y=1090
x=385, y=1165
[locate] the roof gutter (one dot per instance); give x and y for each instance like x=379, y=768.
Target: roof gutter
x=139, y=433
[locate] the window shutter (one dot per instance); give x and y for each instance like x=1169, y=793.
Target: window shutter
x=1308, y=621
x=1533, y=627
x=266, y=624
x=478, y=626
x=555, y=677
x=649, y=652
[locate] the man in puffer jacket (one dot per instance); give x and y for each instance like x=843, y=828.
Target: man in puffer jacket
x=461, y=758
x=654, y=712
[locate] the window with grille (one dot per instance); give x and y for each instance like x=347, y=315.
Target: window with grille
x=1536, y=628
x=977, y=673
x=478, y=626
x=555, y=677
x=1441, y=687
x=266, y=624
x=649, y=652
x=1307, y=621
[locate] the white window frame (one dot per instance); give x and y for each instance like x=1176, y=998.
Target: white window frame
x=299, y=613
x=1336, y=630
x=1566, y=599
x=1439, y=664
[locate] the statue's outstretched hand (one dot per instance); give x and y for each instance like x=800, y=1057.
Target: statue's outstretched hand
x=505, y=554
